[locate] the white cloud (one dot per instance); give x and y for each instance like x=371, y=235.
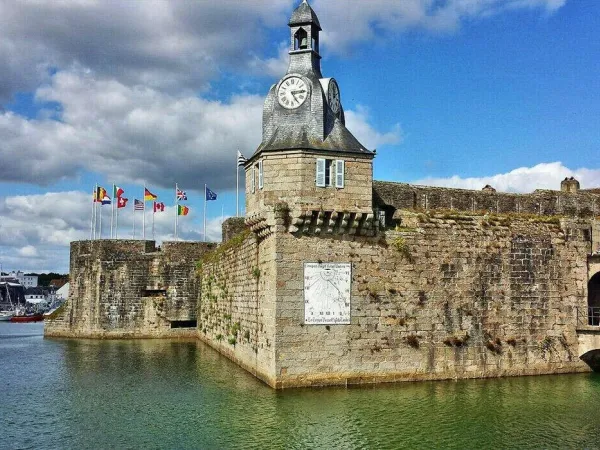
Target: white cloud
x=358, y=123
x=167, y=45
x=36, y=230
x=346, y=23
x=139, y=134
x=523, y=179
x=29, y=251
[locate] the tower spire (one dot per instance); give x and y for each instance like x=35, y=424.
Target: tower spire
x=304, y=46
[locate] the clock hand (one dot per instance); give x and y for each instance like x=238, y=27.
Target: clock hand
x=294, y=95
x=298, y=92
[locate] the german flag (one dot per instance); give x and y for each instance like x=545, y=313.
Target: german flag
x=149, y=196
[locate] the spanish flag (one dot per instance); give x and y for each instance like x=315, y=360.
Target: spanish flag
x=149, y=196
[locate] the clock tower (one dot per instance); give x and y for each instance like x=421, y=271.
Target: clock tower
x=307, y=159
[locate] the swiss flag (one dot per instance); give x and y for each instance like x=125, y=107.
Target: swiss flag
x=121, y=202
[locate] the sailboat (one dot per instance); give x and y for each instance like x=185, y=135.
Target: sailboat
x=7, y=315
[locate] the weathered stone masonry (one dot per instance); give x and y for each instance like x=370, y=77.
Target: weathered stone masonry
x=122, y=288
x=449, y=297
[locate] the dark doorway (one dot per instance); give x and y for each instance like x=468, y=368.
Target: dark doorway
x=594, y=300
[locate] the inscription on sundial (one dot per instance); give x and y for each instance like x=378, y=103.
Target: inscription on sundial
x=327, y=293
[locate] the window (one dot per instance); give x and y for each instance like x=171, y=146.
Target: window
x=330, y=172
x=260, y=174
x=253, y=179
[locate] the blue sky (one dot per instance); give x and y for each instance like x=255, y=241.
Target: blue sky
x=453, y=93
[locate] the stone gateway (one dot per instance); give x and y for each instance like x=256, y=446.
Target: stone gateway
x=334, y=279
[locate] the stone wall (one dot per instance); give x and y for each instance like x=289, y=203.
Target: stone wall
x=130, y=288
x=236, y=309
x=542, y=202
x=455, y=297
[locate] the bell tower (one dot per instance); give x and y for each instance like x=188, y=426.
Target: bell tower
x=307, y=159
x=304, y=48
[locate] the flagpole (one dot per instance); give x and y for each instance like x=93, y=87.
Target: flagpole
x=144, y=215
x=205, y=213
x=92, y=218
x=176, y=209
x=237, y=187
x=116, y=220
x=112, y=212
x=133, y=204
x=96, y=212
x=153, y=214
x=100, y=236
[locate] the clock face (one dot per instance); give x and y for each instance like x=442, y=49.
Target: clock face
x=292, y=92
x=333, y=97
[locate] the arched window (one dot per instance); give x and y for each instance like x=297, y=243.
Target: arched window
x=594, y=300
x=300, y=39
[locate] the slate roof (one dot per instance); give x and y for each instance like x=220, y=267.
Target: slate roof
x=298, y=137
x=304, y=14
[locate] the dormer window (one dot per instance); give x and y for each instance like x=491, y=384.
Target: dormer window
x=301, y=40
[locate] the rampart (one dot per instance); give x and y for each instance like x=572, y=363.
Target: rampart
x=130, y=288
x=436, y=293
x=402, y=196
x=444, y=296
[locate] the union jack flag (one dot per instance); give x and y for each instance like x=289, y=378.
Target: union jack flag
x=181, y=195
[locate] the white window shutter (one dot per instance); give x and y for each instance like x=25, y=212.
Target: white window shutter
x=339, y=173
x=260, y=174
x=320, y=172
x=253, y=179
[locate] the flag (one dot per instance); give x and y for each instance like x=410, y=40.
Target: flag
x=241, y=160
x=181, y=195
x=138, y=205
x=210, y=195
x=100, y=194
x=117, y=191
x=182, y=210
x=122, y=202
x=105, y=199
x=159, y=206
x=149, y=196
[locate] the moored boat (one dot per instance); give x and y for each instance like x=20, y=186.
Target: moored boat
x=5, y=316
x=37, y=317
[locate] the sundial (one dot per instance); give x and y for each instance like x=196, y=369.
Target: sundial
x=327, y=293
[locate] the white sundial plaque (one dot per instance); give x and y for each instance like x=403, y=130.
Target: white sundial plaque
x=327, y=293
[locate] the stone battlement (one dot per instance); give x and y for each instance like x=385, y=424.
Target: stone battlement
x=390, y=197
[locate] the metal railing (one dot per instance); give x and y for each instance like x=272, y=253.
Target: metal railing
x=591, y=317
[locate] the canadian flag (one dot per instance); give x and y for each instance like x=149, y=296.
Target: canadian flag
x=121, y=202
x=159, y=206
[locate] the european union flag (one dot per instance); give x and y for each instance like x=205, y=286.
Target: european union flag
x=210, y=195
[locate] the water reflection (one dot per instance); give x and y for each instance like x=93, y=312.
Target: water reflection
x=176, y=394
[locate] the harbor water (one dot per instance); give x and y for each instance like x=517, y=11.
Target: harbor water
x=153, y=394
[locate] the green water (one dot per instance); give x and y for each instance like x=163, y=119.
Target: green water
x=73, y=394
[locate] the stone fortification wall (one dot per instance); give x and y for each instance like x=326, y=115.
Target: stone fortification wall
x=232, y=227
x=236, y=309
x=445, y=297
x=130, y=288
x=542, y=202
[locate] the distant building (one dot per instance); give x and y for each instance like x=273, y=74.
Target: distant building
x=28, y=281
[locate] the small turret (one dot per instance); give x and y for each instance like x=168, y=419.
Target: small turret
x=570, y=185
